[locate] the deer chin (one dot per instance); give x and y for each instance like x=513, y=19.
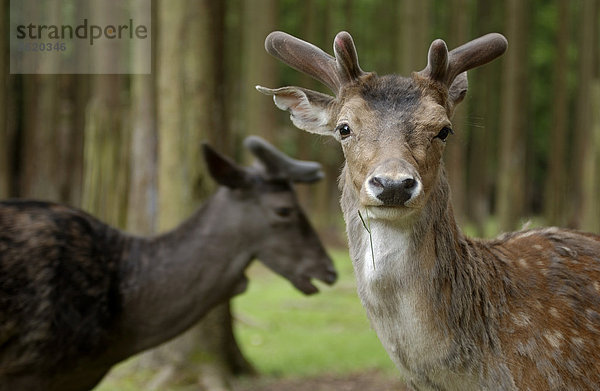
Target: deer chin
x=240, y=286
x=304, y=284
x=391, y=213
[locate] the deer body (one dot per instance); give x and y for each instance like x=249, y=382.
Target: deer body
x=78, y=296
x=520, y=312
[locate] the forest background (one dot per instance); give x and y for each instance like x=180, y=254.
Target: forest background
x=127, y=148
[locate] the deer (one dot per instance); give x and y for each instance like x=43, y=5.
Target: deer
x=517, y=312
x=78, y=296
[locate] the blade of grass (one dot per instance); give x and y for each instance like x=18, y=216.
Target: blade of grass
x=368, y=229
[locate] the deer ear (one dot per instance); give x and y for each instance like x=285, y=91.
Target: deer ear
x=458, y=89
x=224, y=171
x=309, y=110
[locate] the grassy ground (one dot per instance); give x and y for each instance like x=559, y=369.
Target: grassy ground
x=289, y=336
x=286, y=333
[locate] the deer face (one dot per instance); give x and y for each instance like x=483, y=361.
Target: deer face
x=392, y=133
x=392, y=129
x=260, y=205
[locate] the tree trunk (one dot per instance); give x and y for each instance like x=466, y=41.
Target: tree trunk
x=190, y=111
x=484, y=85
x=511, y=178
x=456, y=149
x=48, y=169
x=584, y=152
x=259, y=19
x=106, y=141
x=556, y=192
x=5, y=137
x=591, y=167
x=415, y=26
x=106, y=153
x=142, y=212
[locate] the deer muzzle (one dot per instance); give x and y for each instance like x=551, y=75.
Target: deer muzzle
x=394, y=183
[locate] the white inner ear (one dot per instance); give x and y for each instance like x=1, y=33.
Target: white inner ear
x=313, y=118
x=459, y=87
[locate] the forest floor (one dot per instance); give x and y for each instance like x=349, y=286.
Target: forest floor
x=367, y=381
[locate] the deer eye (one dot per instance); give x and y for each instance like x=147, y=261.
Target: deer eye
x=284, y=211
x=344, y=130
x=444, y=133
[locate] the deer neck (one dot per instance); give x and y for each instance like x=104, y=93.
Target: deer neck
x=172, y=280
x=417, y=284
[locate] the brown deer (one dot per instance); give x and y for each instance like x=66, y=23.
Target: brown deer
x=77, y=296
x=520, y=312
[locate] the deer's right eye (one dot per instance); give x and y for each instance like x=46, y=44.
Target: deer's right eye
x=284, y=211
x=344, y=130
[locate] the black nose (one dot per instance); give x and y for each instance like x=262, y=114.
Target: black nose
x=393, y=192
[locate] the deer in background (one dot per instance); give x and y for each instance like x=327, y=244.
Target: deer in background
x=520, y=312
x=77, y=296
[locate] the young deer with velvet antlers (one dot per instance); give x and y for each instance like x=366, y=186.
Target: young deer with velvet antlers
x=77, y=296
x=521, y=312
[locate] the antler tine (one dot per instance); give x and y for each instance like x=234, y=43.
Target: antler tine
x=444, y=66
x=475, y=53
x=304, y=57
x=437, y=61
x=347, y=58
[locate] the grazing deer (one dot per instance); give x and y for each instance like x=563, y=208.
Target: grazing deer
x=77, y=296
x=520, y=312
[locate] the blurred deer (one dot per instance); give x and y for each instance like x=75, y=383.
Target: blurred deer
x=520, y=312
x=77, y=296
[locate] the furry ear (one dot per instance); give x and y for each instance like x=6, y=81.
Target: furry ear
x=458, y=89
x=309, y=110
x=279, y=164
x=224, y=171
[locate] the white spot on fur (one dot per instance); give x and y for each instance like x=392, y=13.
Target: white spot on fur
x=523, y=263
x=577, y=341
x=554, y=312
x=521, y=319
x=554, y=338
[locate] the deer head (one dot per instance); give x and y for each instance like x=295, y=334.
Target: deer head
x=262, y=199
x=392, y=129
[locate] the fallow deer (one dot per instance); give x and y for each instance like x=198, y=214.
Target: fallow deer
x=520, y=312
x=77, y=296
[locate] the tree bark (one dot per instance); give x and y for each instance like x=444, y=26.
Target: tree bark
x=556, y=192
x=511, y=176
x=5, y=137
x=456, y=148
x=484, y=85
x=142, y=211
x=415, y=26
x=259, y=19
x=584, y=152
x=191, y=110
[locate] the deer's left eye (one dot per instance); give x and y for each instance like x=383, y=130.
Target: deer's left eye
x=444, y=133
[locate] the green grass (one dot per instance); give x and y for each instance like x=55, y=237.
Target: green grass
x=285, y=333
